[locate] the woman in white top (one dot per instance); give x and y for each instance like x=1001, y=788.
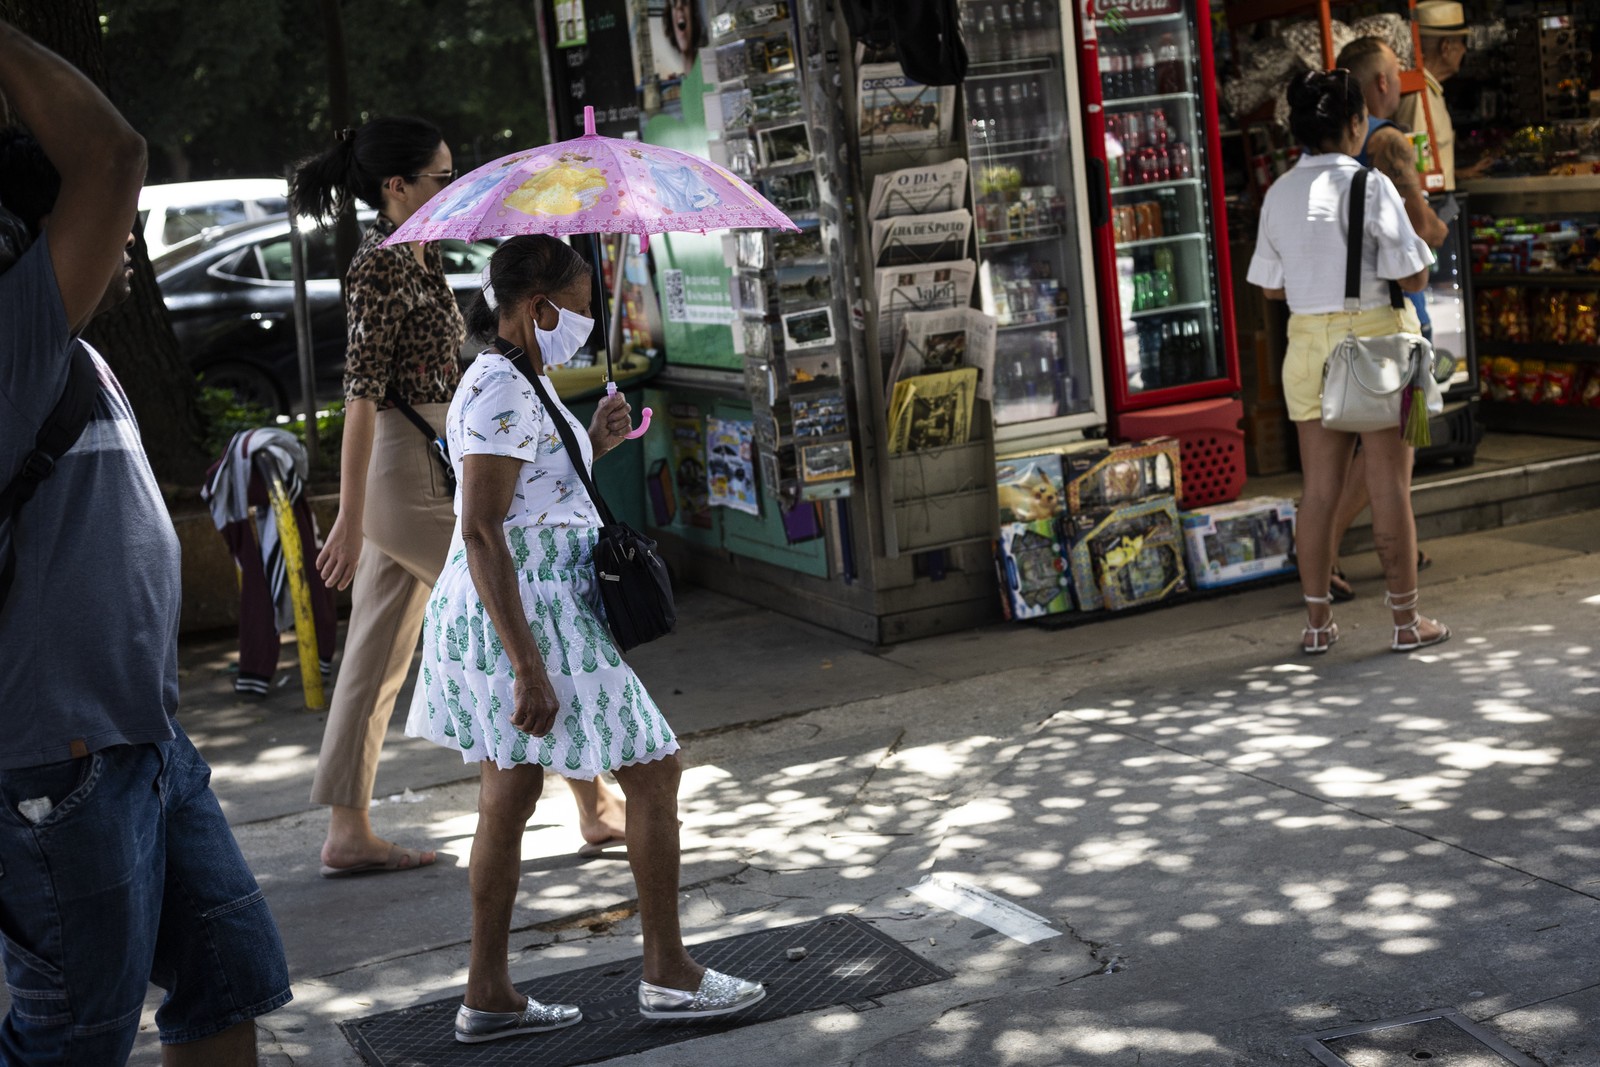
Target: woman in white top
x=1300, y=257
x=519, y=672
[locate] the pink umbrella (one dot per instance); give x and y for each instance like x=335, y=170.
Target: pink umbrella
x=592, y=184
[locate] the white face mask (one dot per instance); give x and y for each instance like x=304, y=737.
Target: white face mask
x=559, y=345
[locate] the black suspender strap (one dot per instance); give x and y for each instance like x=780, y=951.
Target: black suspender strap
x=1353, y=240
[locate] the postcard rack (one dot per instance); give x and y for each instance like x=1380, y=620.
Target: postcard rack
x=774, y=118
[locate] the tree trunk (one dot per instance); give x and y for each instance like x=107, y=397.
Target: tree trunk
x=346, y=234
x=135, y=338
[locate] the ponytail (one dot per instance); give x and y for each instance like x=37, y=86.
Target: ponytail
x=358, y=164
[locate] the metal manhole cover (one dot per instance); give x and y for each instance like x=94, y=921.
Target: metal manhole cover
x=1434, y=1038
x=847, y=962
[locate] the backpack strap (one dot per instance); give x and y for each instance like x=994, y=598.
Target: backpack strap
x=61, y=430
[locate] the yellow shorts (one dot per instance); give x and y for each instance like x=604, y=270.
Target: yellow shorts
x=1312, y=338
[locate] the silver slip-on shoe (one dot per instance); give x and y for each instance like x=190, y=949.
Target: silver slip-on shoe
x=473, y=1025
x=719, y=994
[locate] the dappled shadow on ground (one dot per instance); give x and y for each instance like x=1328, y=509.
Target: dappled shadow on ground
x=1267, y=849
x=1310, y=844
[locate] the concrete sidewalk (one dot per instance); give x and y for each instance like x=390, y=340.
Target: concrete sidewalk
x=1239, y=845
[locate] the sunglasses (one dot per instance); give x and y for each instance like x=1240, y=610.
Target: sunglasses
x=444, y=177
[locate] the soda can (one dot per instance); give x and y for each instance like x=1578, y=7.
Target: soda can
x=1182, y=167
x=1155, y=126
x=1423, y=150
x=1161, y=164
x=1149, y=220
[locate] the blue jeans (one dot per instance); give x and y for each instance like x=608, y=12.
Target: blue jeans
x=132, y=877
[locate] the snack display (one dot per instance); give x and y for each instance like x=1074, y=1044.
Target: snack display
x=1536, y=381
x=1523, y=245
x=1239, y=541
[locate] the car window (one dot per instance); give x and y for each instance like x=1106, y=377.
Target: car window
x=241, y=264
x=273, y=205
x=185, y=222
x=276, y=257
x=464, y=257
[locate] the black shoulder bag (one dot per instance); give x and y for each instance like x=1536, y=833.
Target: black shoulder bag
x=440, y=450
x=634, y=587
x=61, y=430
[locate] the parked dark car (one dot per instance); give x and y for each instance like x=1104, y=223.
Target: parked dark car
x=230, y=296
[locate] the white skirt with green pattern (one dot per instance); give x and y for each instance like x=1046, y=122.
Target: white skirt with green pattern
x=463, y=699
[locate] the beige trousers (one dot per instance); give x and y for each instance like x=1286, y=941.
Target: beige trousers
x=408, y=525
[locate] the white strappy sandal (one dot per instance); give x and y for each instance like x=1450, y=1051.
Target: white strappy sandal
x=1322, y=637
x=1408, y=602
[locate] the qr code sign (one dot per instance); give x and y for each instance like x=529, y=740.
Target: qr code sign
x=677, y=299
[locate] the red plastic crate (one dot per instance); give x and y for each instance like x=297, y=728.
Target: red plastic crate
x=1211, y=446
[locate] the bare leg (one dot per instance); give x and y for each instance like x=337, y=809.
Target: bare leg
x=351, y=840
x=1324, y=459
x=1394, y=527
x=652, y=792
x=506, y=799
x=1352, y=502
x=602, y=815
x=234, y=1047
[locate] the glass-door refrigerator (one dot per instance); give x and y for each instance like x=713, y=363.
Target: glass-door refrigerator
x=1032, y=221
x=1161, y=252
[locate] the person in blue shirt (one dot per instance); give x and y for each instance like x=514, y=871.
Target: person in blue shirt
x=117, y=868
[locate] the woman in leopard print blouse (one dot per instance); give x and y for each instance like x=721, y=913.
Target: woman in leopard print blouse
x=396, y=513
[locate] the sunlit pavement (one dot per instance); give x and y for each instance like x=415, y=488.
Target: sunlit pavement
x=1239, y=845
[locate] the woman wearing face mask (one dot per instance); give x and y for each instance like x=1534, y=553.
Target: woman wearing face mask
x=519, y=673
x=395, y=517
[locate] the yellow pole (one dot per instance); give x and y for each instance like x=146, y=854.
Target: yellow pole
x=305, y=627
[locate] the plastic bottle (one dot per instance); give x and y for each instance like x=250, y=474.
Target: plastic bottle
x=978, y=115
x=1144, y=69
x=1169, y=67
x=1022, y=123
x=1171, y=217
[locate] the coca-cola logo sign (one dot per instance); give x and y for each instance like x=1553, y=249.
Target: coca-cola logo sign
x=1134, y=9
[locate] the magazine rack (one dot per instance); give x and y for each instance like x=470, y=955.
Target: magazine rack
x=950, y=196
x=946, y=249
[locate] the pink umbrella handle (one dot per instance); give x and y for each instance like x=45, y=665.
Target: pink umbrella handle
x=644, y=420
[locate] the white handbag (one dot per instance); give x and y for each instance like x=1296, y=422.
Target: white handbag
x=1374, y=383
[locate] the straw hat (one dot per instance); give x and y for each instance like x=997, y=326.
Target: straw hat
x=1441, y=18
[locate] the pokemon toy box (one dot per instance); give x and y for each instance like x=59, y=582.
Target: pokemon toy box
x=1033, y=568
x=1240, y=541
x=1122, y=474
x=1127, y=556
x=1029, y=488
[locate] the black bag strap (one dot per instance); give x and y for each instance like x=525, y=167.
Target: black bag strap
x=1354, y=238
x=411, y=415
x=519, y=360
x=60, y=431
